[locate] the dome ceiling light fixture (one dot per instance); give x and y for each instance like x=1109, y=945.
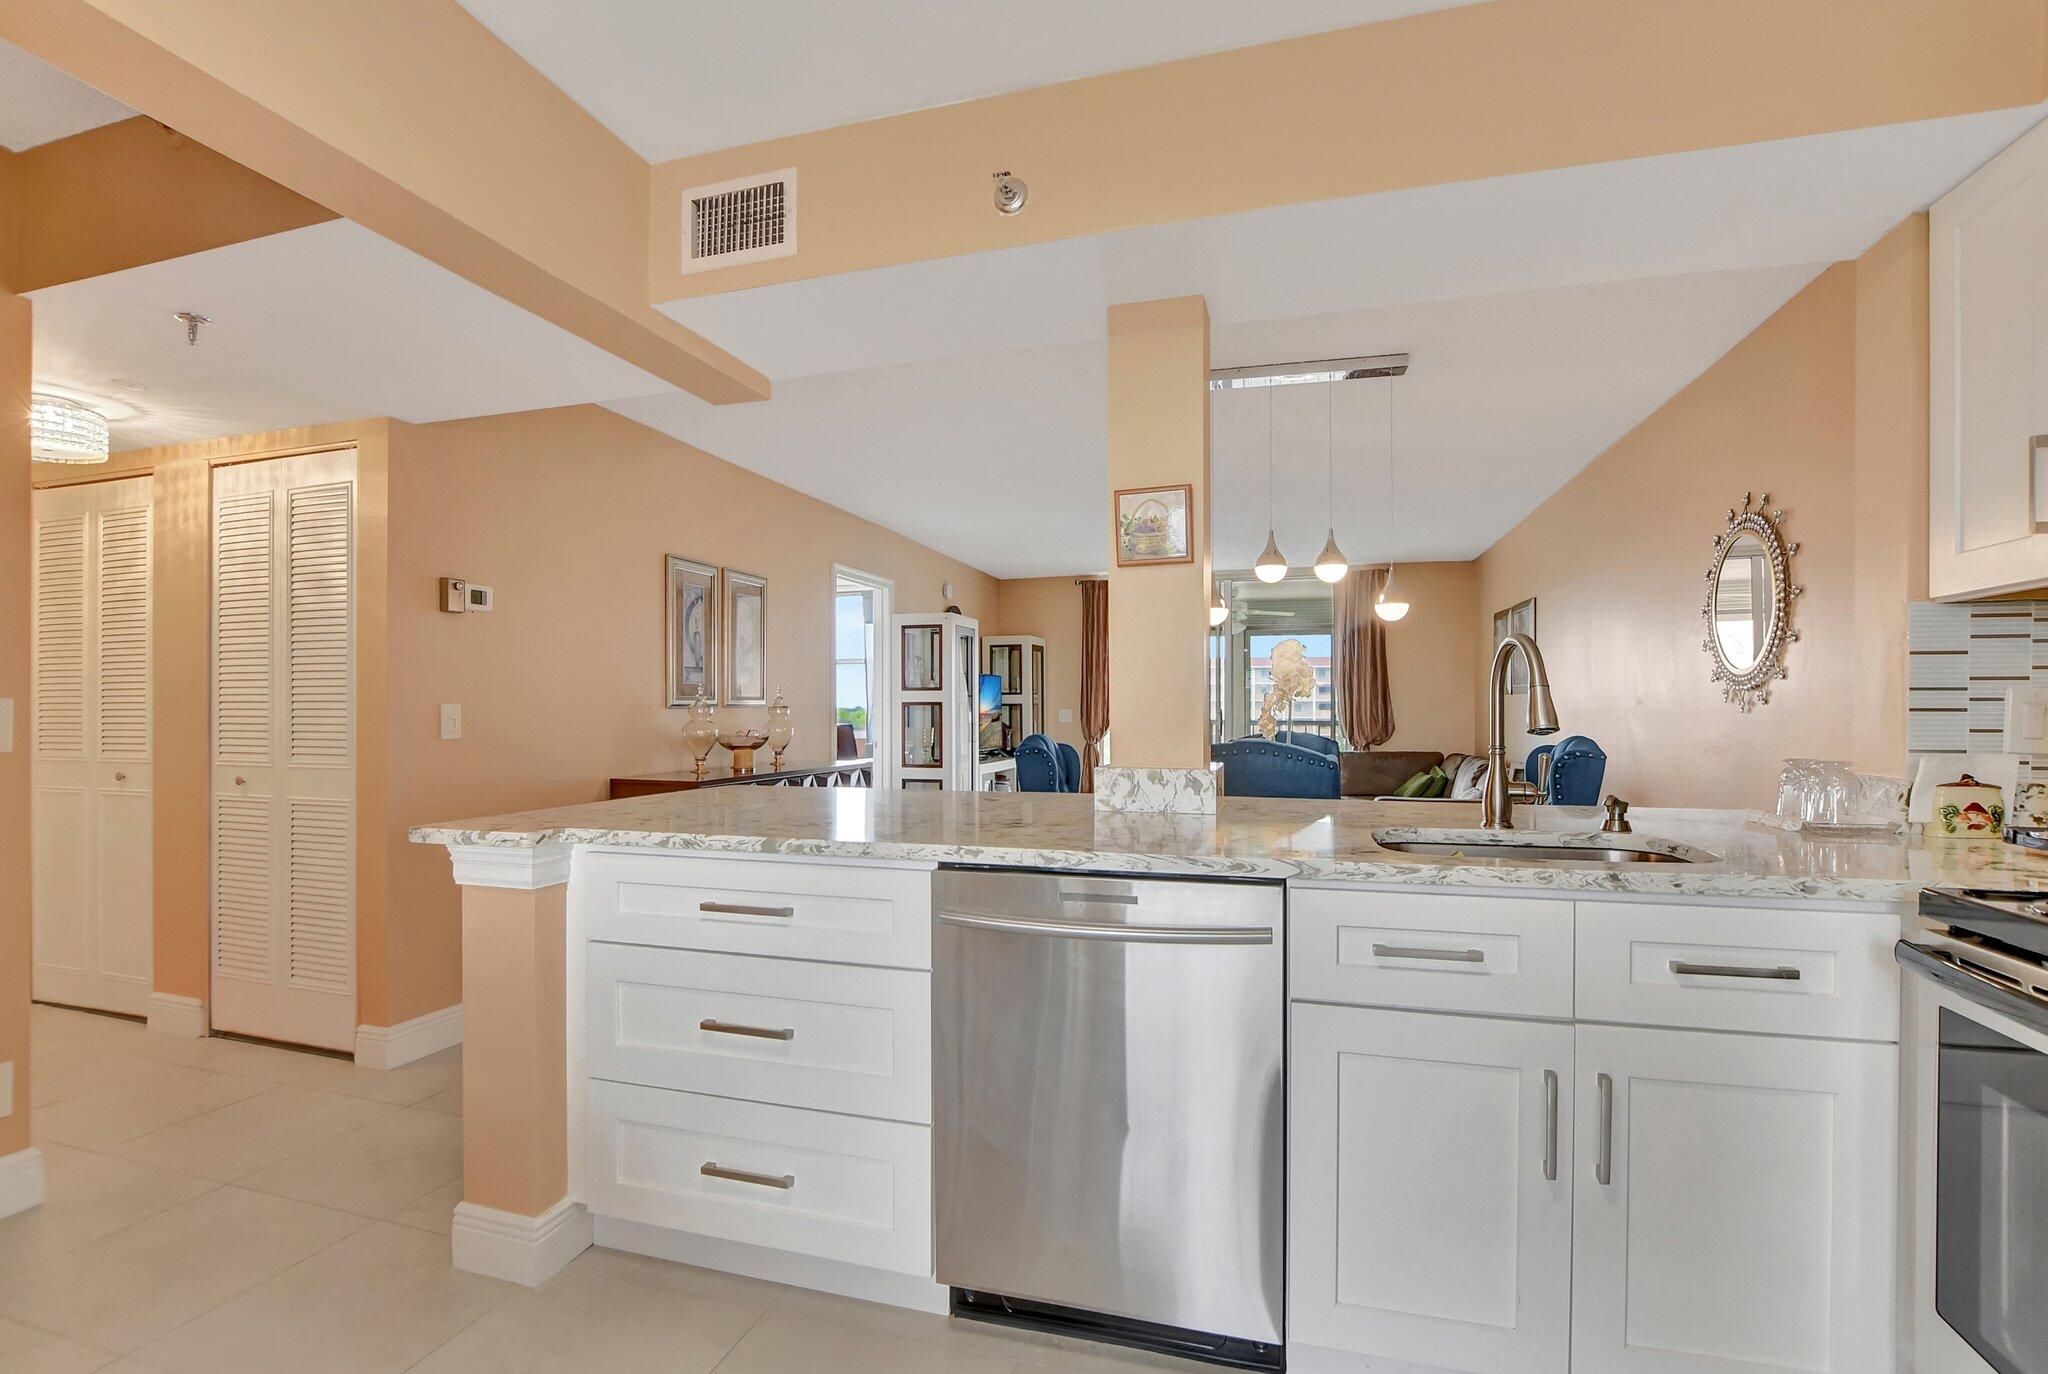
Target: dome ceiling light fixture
x=60, y=430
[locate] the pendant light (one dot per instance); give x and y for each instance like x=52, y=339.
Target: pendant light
x=1219, y=609
x=1388, y=605
x=1272, y=565
x=1331, y=564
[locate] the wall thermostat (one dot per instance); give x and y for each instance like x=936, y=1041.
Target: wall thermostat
x=459, y=596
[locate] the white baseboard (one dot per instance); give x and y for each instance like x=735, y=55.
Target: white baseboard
x=170, y=1014
x=388, y=1047
x=775, y=1266
x=21, y=1181
x=520, y=1249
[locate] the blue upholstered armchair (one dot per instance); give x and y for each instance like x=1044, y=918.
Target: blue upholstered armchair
x=1576, y=767
x=1308, y=739
x=1038, y=765
x=1257, y=767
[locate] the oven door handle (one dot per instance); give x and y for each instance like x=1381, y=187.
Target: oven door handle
x=1944, y=968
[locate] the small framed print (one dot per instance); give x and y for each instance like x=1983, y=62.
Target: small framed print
x=745, y=643
x=1152, y=525
x=690, y=643
x=1518, y=619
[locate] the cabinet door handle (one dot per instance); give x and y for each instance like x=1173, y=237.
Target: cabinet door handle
x=1550, y=1125
x=740, y=909
x=1451, y=956
x=1782, y=973
x=758, y=1032
x=120, y=777
x=710, y=1170
x=1603, y=1167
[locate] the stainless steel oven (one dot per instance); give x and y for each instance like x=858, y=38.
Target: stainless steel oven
x=1976, y=1091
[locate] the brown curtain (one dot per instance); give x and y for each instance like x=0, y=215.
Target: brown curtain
x=1365, y=706
x=1094, y=676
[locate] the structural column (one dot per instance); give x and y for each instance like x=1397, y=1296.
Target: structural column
x=515, y=1220
x=21, y=1168
x=1158, y=613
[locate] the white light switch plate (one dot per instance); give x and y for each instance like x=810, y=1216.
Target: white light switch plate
x=2026, y=720
x=451, y=720
x=7, y=1088
x=1066, y=716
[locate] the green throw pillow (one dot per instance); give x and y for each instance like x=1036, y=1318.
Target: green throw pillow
x=1418, y=786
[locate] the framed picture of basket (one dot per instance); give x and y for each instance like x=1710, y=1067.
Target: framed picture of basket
x=1153, y=525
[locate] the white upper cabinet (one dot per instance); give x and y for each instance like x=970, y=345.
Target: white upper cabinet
x=1988, y=283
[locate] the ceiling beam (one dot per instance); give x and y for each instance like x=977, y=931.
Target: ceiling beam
x=412, y=119
x=132, y=193
x=1453, y=95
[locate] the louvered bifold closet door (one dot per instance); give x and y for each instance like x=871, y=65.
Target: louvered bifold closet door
x=284, y=750
x=90, y=739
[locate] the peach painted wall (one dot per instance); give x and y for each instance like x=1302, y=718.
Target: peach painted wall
x=1049, y=607
x=15, y=574
x=1432, y=661
x=1159, y=615
x=1823, y=406
x=567, y=514
x=1475, y=91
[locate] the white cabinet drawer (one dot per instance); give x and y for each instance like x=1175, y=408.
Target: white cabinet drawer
x=841, y=913
x=1445, y=951
x=1820, y=973
x=769, y=1030
x=808, y=1182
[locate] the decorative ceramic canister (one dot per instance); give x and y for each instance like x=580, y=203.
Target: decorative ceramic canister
x=1968, y=809
x=781, y=730
x=700, y=731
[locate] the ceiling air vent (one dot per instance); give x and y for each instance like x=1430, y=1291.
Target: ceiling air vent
x=752, y=219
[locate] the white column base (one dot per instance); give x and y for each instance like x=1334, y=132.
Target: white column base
x=519, y=1249
x=21, y=1181
x=388, y=1047
x=170, y=1014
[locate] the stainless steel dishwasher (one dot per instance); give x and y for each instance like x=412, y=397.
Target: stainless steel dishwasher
x=1109, y=1107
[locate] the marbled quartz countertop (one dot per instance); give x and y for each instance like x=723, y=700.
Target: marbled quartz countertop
x=1252, y=837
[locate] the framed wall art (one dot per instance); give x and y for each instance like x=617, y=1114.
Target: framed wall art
x=691, y=638
x=1152, y=525
x=745, y=641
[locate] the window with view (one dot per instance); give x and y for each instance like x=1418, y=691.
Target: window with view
x=1241, y=657
x=853, y=663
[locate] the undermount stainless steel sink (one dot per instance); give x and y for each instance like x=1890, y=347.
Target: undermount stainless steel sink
x=1545, y=853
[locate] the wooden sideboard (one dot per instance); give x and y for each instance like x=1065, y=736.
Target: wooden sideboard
x=844, y=773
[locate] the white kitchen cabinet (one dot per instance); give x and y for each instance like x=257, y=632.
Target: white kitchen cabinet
x=1430, y=1186
x=1734, y=1204
x=1988, y=295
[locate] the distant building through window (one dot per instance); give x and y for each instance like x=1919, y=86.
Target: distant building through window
x=853, y=663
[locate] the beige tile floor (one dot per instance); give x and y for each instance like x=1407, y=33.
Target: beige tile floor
x=216, y=1207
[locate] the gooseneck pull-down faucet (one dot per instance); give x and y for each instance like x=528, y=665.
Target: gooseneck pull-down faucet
x=1496, y=811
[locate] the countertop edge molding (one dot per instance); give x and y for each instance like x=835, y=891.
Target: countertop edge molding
x=523, y=868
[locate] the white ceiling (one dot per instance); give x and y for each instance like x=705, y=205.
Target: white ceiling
x=672, y=79
x=1816, y=199
x=1000, y=460
x=320, y=324
x=38, y=103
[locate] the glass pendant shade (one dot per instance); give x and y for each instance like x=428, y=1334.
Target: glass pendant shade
x=1331, y=564
x=1272, y=566
x=1219, y=611
x=1389, y=605
x=63, y=431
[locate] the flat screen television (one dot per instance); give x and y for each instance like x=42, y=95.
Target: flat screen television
x=988, y=710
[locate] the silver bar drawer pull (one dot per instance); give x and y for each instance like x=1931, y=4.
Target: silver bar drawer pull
x=740, y=909
x=1550, y=1125
x=711, y=1170
x=1449, y=956
x=1781, y=974
x=758, y=1032
x=1603, y=1164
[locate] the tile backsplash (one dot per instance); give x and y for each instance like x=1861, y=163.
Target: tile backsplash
x=1963, y=657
